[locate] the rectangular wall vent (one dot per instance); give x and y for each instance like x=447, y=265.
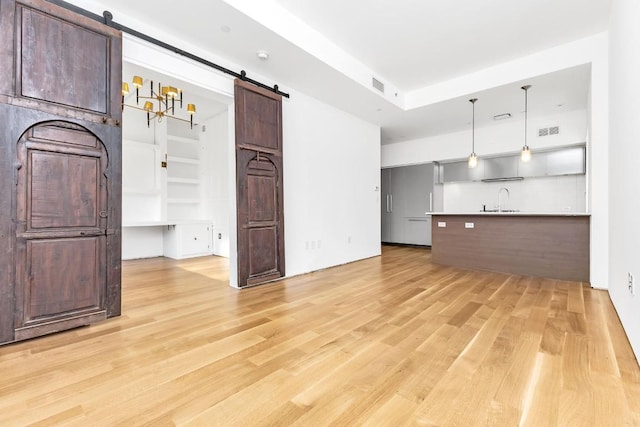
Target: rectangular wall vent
x=377, y=84
x=552, y=130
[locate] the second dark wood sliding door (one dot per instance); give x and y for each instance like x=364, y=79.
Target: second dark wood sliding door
x=259, y=185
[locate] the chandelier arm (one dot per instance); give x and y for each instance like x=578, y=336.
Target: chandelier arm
x=181, y=119
x=163, y=114
x=134, y=107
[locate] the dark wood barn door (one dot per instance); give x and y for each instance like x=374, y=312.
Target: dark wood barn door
x=60, y=167
x=259, y=185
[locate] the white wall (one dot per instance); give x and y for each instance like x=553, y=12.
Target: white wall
x=142, y=242
x=563, y=194
x=598, y=165
x=331, y=172
x=624, y=186
x=503, y=137
x=216, y=170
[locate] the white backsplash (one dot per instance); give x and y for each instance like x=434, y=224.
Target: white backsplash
x=544, y=194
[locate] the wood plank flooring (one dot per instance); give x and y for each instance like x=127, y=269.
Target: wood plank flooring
x=388, y=341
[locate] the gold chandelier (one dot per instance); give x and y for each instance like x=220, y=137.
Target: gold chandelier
x=166, y=97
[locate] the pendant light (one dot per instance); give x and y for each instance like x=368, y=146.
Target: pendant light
x=525, y=155
x=473, y=158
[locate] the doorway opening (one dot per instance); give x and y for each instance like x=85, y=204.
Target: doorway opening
x=175, y=177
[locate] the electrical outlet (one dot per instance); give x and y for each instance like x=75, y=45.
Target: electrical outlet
x=631, y=284
x=219, y=236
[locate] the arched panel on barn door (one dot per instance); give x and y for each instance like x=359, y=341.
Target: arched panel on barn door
x=62, y=227
x=259, y=185
x=260, y=229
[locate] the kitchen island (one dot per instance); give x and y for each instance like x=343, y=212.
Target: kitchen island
x=551, y=245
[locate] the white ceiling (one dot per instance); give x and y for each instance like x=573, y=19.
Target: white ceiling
x=411, y=44
x=416, y=43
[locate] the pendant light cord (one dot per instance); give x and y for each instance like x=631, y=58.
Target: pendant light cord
x=526, y=110
x=473, y=125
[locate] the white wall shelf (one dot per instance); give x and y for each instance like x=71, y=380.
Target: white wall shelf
x=183, y=139
x=183, y=160
x=184, y=201
x=184, y=181
x=138, y=192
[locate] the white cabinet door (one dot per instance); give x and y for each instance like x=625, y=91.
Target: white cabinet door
x=385, y=205
x=460, y=171
x=417, y=190
x=188, y=240
x=196, y=239
x=566, y=162
x=406, y=197
x=418, y=231
x=501, y=167
x=397, y=202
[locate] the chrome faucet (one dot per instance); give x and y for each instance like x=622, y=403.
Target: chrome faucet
x=500, y=197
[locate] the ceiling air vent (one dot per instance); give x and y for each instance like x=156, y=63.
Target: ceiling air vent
x=377, y=84
x=543, y=131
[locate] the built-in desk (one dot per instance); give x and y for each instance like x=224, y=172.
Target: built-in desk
x=552, y=245
x=176, y=239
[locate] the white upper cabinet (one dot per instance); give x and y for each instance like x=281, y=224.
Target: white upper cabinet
x=564, y=161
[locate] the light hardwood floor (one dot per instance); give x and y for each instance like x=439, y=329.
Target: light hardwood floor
x=392, y=340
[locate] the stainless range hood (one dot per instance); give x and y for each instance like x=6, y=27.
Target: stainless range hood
x=505, y=178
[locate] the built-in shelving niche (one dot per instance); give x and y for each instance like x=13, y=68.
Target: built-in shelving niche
x=172, y=210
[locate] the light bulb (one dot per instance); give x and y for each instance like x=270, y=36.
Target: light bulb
x=172, y=91
x=473, y=160
x=525, y=155
x=137, y=82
